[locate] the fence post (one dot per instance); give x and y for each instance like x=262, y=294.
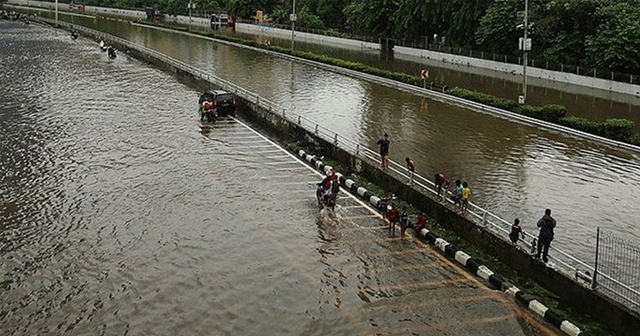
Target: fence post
x=484, y=218
x=611, y=75
x=316, y=129
x=533, y=62
x=335, y=140
x=299, y=120
x=561, y=67
x=577, y=70
x=594, y=72
x=595, y=267
x=547, y=65
x=357, y=149
x=505, y=58
x=519, y=60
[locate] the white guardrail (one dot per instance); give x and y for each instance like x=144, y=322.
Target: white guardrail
x=564, y=261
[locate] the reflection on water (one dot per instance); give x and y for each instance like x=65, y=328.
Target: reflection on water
x=514, y=170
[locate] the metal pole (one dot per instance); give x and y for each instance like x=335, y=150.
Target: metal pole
x=293, y=25
x=524, y=50
x=56, y=13
x=595, y=267
x=190, y=5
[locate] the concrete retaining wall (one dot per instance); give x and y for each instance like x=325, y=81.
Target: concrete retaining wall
x=304, y=37
x=516, y=69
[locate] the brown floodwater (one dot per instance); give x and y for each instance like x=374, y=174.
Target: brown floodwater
x=122, y=214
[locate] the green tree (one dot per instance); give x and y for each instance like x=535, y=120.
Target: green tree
x=616, y=45
x=371, y=16
x=561, y=27
x=497, y=31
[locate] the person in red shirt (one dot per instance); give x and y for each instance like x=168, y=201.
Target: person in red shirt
x=392, y=217
x=441, y=181
x=421, y=222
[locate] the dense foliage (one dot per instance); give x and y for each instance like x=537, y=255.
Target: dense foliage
x=590, y=33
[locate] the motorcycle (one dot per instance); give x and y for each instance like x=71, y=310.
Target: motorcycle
x=210, y=115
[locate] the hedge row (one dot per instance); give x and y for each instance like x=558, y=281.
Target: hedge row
x=616, y=129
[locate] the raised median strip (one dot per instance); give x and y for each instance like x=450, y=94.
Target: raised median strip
x=473, y=265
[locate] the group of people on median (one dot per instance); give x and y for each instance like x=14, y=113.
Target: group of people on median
x=460, y=196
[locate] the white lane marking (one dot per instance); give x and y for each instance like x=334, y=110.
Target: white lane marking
x=317, y=173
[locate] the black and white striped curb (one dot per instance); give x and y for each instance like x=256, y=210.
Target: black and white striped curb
x=473, y=265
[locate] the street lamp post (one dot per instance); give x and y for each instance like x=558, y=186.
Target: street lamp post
x=525, y=46
x=190, y=6
x=293, y=25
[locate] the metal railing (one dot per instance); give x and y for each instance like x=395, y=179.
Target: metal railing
x=561, y=260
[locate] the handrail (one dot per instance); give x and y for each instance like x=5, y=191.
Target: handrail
x=355, y=148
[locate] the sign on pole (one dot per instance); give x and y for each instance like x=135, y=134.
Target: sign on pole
x=424, y=74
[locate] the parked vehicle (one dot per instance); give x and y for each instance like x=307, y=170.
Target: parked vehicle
x=224, y=102
x=219, y=20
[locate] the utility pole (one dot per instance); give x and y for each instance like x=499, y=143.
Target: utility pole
x=293, y=19
x=56, y=13
x=525, y=46
x=190, y=6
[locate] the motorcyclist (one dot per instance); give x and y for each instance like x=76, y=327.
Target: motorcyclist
x=207, y=108
x=324, y=187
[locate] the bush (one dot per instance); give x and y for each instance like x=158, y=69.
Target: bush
x=551, y=113
x=483, y=98
x=635, y=139
x=582, y=124
x=554, y=112
x=618, y=129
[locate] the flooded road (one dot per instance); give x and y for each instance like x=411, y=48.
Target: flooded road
x=121, y=214
x=514, y=170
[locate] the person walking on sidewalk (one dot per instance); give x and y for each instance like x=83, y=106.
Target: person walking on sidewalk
x=411, y=168
x=384, y=151
x=546, y=225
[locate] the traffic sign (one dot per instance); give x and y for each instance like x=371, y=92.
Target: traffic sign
x=424, y=74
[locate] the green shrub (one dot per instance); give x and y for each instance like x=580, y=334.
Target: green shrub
x=554, y=112
x=618, y=129
x=582, y=124
x=531, y=111
x=635, y=139
x=551, y=113
x=483, y=98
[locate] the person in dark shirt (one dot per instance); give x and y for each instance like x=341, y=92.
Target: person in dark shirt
x=546, y=225
x=384, y=151
x=516, y=232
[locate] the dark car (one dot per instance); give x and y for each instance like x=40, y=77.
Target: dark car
x=225, y=102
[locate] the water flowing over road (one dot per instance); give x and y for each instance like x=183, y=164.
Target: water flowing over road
x=514, y=170
x=122, y=214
